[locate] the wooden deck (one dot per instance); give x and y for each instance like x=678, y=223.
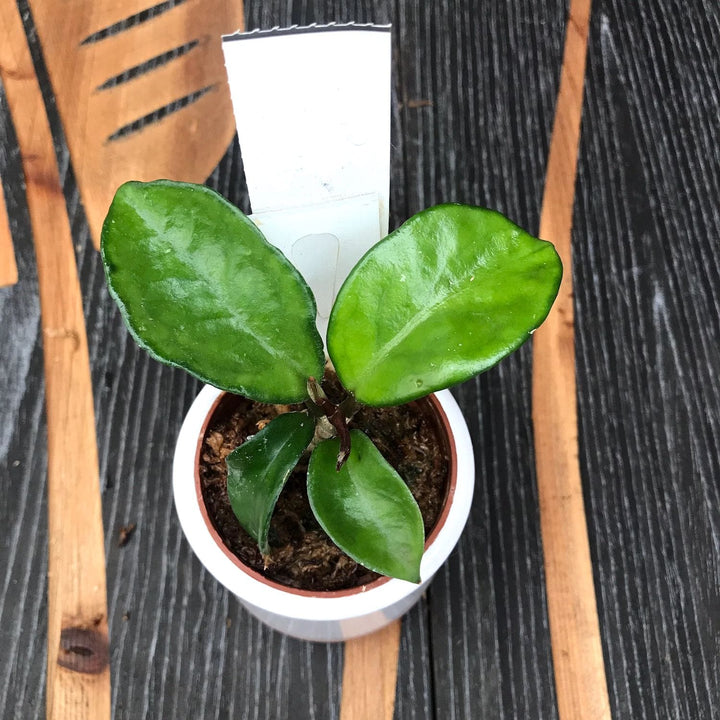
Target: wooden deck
x=475, y=91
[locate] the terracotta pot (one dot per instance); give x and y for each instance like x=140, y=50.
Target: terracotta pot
x=328, y=616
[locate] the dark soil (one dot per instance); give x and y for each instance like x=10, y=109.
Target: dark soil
x=302, y=555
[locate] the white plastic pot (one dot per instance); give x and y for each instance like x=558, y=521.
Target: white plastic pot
x=329, y=616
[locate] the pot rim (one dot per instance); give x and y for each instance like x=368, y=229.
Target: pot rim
x=302, y=604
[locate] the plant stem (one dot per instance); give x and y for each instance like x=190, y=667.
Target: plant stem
x=335, y=415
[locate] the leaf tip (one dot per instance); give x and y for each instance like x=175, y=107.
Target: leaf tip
x=414, y=576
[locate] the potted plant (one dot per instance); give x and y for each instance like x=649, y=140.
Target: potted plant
x=444, y=297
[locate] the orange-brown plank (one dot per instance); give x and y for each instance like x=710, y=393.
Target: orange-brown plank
x=574, y=628
x=78, y=682
x=184, y=146
x=8, y=266
x=370, y=675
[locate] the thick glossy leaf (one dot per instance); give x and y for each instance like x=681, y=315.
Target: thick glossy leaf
x=366, y=508
x=258, y=469
x=201, y=288
x=444, y=297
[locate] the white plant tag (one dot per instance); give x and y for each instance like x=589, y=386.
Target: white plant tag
x=312, y=108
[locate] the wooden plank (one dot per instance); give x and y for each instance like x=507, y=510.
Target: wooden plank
x=369, y=675
x=578, y=664
x=184, y=145
x=492, y=86
x=8, y=266
x=78, y=679
x=647, y=299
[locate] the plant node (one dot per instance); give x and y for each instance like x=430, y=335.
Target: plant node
x=335, y=415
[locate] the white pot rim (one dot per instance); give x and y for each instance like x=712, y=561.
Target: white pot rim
x=290, y=602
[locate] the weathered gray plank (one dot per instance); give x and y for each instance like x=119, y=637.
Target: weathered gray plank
x=647, y=225
x=478, y=91
x=23, y=462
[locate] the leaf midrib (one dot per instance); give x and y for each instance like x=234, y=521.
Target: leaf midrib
x=157, y=224
x=420, y=317
x=247, y=329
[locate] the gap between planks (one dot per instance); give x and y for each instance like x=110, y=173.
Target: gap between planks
x=580, y=680
x=78, y=679
x=370, y=670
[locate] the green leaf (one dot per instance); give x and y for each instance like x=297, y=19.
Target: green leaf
x=258, y=469
x=444, y=297
x=200, y=288
x=366, y=508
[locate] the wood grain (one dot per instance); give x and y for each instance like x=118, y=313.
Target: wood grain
x=369, y=675
x=647, y=300
x=647, y=295
x=8, y=266
x=492, y=85
x=183, y=145
x=78, y=671
x=577, y=651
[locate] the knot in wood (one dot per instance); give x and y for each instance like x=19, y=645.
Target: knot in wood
x=83, y=650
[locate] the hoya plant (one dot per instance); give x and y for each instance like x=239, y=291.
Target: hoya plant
x=442, y=298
